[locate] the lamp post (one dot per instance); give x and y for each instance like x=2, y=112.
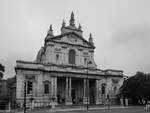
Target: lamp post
x=32, y=101
x=87, y=85
x=24, y=105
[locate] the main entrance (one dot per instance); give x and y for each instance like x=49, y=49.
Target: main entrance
x=92, y=91
x=75, y=91
x=73, y=96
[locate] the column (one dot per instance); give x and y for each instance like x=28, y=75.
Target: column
x=52, y=54
x=52, y=85
x=70, y=87
x=86, y=91
x=66, y=56
x=126, y=101
x=69, y=95
x=66, y=87
x=54, y=89
x=66, y=99
x=98, y=99
x=121, y=102
x=63, y=56
x=84, y=85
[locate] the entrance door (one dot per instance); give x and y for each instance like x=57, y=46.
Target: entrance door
x=92, y=90
x=73, y=95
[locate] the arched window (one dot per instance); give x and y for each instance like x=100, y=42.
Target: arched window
x=72, y=55
x=115, y=90
x=46, y=87
x=103, y=87
x=57, y=58
x=29, y=87
x=85, y=61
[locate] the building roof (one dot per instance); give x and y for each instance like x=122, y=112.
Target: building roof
x=25, y=65
x=66, y=34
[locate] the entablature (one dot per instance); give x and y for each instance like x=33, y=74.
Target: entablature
x=66, y=69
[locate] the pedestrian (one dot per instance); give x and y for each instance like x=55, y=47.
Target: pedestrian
x=108, y=101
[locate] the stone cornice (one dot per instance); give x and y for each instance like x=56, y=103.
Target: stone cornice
x=69, y=74
x=24, y=65
x=72, y=28
x=71, y=44
x=113, y=70
x=59, y=36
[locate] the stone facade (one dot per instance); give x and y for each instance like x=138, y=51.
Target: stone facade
x=65, y=71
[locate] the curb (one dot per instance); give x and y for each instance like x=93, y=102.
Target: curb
x=79, y=109
x=83, y=109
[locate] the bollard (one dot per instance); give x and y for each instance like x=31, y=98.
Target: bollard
x=121, y=101
x=126, y=102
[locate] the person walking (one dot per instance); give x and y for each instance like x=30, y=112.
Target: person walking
x=108, y=101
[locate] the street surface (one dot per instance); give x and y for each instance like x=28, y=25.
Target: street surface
x=131, y=109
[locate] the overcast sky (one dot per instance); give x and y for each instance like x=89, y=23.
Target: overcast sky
x=120, y=28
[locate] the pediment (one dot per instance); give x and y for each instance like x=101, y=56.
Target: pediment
x=73, y=38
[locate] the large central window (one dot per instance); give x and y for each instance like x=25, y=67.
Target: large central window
x=46, y=88
x=103, y=88
x=29, y=87
x=72, y=55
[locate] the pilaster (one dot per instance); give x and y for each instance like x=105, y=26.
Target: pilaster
x=86, y=91
x=98, y=97
x=68, y=100
x=54, y=89
x=70, y=87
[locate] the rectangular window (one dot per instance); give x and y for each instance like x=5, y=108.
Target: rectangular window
x=103, y=89
x=46, y=88
x=29, y=87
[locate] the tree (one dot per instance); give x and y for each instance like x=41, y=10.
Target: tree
x=137, y=88
x=2, y=70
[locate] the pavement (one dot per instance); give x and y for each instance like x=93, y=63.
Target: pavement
x=90, y=108
x=66, y=109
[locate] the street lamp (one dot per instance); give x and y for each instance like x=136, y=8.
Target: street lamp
x=24, y=105
x=87, y=85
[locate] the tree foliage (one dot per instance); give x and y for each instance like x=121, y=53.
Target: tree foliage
x=2, y=70
x=137, y=88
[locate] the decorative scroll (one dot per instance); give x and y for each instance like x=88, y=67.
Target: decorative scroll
x=72, y=38
x=85, y=53
x=115, y=81
x=30, y=77
x=54, y=86
x=57, y=50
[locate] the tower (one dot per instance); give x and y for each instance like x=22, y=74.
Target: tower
x=91, y=39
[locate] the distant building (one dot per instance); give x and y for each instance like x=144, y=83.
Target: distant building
x=3, y=94
x=3, y=88
x=11, y=90
x=7, y=92
x=65, y=71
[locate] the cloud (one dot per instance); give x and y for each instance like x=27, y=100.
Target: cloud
x=137, y=36
x=129, y=49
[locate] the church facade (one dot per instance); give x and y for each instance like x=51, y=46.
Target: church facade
x=65, y=71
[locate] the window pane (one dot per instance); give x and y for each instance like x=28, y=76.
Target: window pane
x=57, y=58
x=46, y=88
x=103, y=89
x=29, y=87
x=71, y=57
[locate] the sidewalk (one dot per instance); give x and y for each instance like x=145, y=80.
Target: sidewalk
x=47, y=110
x=91, y=108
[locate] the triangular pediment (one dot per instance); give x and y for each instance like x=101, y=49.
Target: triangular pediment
x=72, y=38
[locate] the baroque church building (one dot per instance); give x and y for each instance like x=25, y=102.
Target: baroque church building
x=65, y=72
